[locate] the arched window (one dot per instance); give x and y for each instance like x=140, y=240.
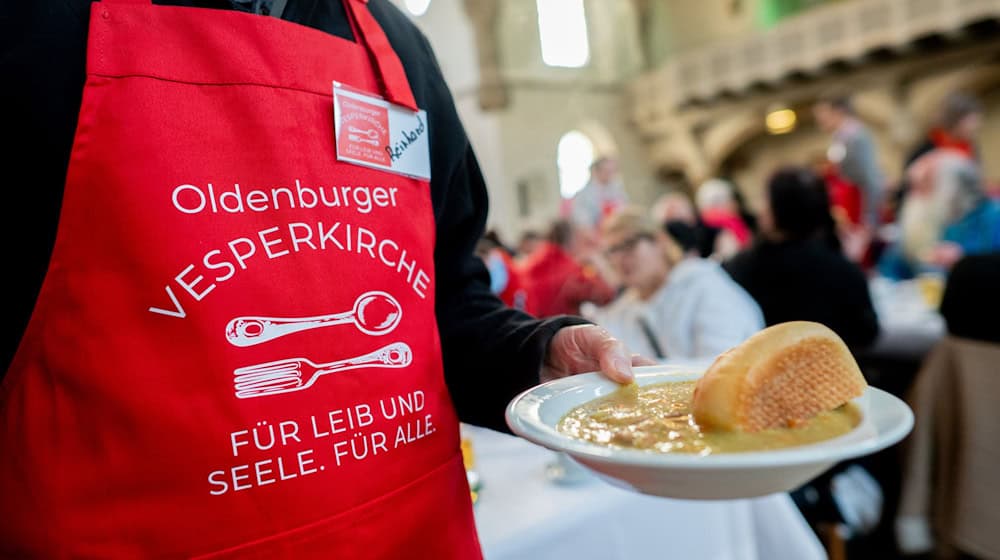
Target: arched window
x=562, y=26
x=574, y=156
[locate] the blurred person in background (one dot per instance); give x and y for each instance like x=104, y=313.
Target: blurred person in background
x=853, y=151
x=796, y=269
x=527, y=243
x=946, y=214
x=505, y=276
x=674, y=205
x=718, y=207
x=676, y=304
x=678, y=206
x=955, y=128
x=845, y=207
x=742, y=208
x=565, y=271
x=976, y=232
x=845, y=198
x=602, y=195
x=971, y=301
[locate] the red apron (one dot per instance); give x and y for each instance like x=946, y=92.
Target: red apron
x=234, y=352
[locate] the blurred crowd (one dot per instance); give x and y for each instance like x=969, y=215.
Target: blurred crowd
x=698, y=272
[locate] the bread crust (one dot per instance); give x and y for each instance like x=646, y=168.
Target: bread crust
x=780, y=376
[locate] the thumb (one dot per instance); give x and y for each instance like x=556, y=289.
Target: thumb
x=585, y=348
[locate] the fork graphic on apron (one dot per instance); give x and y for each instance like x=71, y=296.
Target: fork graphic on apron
x=298, y=374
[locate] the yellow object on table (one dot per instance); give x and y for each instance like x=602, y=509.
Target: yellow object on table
x=931, y=289
x=469, y=459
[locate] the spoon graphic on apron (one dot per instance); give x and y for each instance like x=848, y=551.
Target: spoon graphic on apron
x=374, y=313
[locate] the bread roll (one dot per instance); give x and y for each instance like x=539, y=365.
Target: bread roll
x=780, y=376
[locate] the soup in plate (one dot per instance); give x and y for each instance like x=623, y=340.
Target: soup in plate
x=658, y=417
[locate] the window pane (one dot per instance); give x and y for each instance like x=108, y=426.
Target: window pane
x=562, y=25
x=417, y=7
x=574, y=156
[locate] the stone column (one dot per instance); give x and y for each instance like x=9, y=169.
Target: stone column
x=493, y=91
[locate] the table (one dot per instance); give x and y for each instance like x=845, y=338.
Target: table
x=908, y=326
x=521, y=515
x=908, y=329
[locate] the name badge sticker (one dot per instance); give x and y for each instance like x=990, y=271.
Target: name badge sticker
x=372, y=132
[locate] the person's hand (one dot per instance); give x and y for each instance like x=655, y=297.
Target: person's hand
x=945, y=254
x=855, y=241
x=584, y=348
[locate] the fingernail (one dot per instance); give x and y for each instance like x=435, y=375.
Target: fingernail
x=624, y=368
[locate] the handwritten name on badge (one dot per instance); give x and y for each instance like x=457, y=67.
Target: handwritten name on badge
x=410, y=137
x=372, y=132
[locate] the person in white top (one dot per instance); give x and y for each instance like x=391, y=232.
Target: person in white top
x=676, y=305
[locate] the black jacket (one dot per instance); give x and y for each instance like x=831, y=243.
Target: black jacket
x=808, y=281
x=491, y=352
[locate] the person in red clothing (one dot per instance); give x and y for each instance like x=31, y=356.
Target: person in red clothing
x=505, y=276
x=845, y=198
x=854, y=152
x=526, y=244
x=564, y=272
x=717, y=207
x=846, y=208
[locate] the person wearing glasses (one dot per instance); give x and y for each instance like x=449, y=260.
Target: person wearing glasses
x=675, y=304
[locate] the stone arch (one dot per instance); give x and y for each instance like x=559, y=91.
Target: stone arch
x=926, y=95
x=604, y=142
x=722, y=139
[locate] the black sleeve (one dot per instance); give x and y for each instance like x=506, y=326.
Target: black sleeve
x=491, y=352
x=43, y=53
x=42, y=61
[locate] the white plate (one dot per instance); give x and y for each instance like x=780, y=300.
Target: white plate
x=534, y=414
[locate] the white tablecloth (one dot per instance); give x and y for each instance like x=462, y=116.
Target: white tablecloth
x=523, y=516
x=908, y=327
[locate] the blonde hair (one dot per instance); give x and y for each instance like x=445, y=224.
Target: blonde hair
x=633, y=221
x=629, y=221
